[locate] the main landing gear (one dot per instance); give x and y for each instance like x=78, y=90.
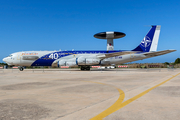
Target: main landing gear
x=21, y=68
x=85, y=68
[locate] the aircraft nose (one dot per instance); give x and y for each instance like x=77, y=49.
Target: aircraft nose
x=4, y=59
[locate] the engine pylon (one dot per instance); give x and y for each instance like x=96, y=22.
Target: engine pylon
x=109, y=36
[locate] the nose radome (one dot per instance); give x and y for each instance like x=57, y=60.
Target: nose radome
x=4, y=59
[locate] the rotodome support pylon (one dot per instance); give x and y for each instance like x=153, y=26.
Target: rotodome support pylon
x=109, y=36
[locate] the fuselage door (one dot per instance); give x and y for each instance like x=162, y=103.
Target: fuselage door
x=132, y=56
x=19, y=57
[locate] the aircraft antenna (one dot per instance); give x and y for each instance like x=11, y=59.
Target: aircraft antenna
x=109, y=36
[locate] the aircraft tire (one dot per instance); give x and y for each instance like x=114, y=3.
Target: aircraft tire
x=82, y=68
x=85, y=68
x=88, y=68
x=21, y=68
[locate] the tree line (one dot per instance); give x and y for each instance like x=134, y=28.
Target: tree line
x=177, y=61
x=2, y=64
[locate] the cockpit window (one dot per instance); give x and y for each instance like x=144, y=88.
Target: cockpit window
x=10, y=55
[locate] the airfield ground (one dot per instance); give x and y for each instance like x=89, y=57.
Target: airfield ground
x=71, y=94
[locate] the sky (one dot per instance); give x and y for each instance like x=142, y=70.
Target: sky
x=27, y=25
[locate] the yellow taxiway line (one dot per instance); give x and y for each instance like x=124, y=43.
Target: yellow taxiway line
x=120, y=104
x=113, y=107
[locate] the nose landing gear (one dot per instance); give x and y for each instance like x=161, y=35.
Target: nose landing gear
x=21, y=68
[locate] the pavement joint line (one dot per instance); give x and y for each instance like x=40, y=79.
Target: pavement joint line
x=120, y=104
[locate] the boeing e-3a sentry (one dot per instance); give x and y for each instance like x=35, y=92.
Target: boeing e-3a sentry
x=85, y=59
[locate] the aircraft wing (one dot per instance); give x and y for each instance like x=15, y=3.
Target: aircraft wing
x=152, y=54
x=108, y=55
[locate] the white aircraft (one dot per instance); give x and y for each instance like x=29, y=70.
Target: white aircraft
x=85, y=59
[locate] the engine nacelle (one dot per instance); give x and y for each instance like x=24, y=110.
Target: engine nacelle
x=87, y=61
x=92, y=61
x=81, y=61
x=62, y=63
x=70, y=63
x=78, y=61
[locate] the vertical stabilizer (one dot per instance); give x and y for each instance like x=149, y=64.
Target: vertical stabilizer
x=150, y=41
x=155, y=39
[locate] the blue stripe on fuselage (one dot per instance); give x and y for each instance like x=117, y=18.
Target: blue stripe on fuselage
x=47, y=60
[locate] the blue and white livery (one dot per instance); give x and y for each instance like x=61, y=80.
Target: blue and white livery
x=146, y=49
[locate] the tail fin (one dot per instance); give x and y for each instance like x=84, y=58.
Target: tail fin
x=150, y=41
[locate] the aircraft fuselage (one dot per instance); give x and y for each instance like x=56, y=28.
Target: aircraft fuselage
x=47, y=58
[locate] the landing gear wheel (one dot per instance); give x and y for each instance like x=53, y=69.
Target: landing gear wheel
x=82, y=68
x=85, y=67
x=21, y=68
x=88, y=68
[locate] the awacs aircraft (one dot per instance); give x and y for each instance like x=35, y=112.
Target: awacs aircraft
x=85, y=59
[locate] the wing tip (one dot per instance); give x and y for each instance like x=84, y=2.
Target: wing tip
x=172, y=50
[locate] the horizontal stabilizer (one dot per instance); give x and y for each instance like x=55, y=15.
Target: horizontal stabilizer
x=152, y=54
x=108, y=55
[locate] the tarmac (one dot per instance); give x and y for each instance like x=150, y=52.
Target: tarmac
x=71, y=94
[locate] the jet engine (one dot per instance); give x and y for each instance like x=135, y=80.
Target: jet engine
x=81, y=61
x=70, y=63
x=87, y=61
x=62, y=63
